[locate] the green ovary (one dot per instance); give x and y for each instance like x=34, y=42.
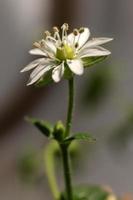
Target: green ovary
x=65, y=52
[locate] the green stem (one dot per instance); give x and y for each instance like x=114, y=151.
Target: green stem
x=64, y=148
x=70, y=106
x=67, y=173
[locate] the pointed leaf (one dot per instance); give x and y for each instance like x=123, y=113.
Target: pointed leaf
x=81, y=136
x=91, y=192
x=88, y=61
x=45, y=127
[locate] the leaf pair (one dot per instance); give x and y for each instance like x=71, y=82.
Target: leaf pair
x=57, y=131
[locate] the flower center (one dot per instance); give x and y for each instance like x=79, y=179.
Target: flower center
x=65, y=52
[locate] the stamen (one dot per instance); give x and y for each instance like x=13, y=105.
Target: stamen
x=37, y=44
x=81, y=30
x=42, y=43
x=47, y=33
x=50, y=38
x=75, y=32
x=76, y=45
x=55, y=29
x=56, y=34
x=64, y=28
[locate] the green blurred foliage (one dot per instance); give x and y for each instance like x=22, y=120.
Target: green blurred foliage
x=28, y=166
x=91, y=192
x=122, y=134
x=97, y=86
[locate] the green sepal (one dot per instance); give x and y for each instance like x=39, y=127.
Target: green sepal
x=44, y=127
x=45, y=80
x=59, y=131
x=81, y=136
x=67, y=73
x=93, y=192
x=88, y=61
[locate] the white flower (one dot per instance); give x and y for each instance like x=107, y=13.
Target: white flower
x=62, y=51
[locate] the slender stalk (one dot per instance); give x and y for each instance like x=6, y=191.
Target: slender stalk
x=67, y=173
x=64, y=148
x=70, y=106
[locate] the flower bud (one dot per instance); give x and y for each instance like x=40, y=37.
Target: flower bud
x=59, y=131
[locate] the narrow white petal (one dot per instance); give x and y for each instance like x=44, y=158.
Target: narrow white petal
x=36, y=71
x=81, y=39
x=50, y=46
x=76, y=66
x=84, y=37
x=58, y=72
x=97, y=41
x=96, y=51
x=40, y=67
x=71, y=38
x=39, y=75
x=37, y=51
x=32, y=64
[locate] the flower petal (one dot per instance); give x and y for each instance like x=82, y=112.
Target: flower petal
x=84, y=37
x=36, y=71
x=76, y=66
x=40, y=67
x=81, y=38
x=32, y=64
x=96, y=51
x=37, y=51
x=39, y=75
x=97, y=41
x=58, y=72
x=50, y=46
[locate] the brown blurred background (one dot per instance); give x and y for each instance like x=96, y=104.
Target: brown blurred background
x=104, y=95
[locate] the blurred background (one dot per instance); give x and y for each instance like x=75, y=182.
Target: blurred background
x=104, y=98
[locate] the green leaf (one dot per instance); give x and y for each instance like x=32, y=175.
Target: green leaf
x=88, y=61
x=45, y=127
x=81, y=136
x=91, y=192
